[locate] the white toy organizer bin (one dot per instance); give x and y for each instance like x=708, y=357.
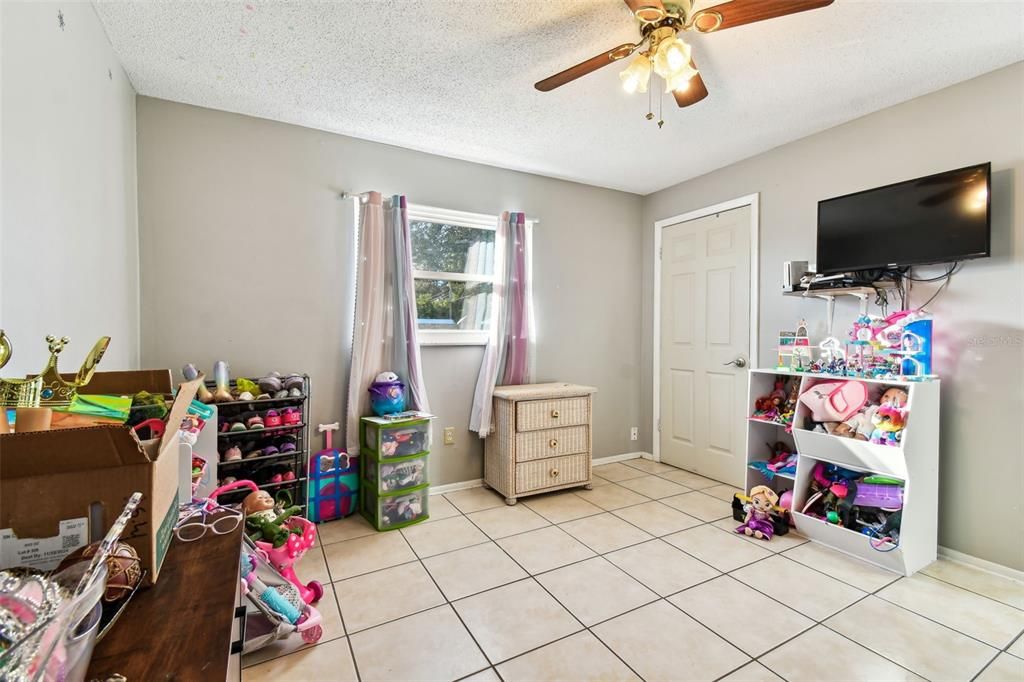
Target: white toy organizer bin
x=915, y=461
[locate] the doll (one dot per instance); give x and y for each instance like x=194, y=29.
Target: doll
x=758, y=522
x=264, y=521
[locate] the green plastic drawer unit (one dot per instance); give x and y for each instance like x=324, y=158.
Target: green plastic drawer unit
x=389, y=439
x=395, y=475
x=397, y=510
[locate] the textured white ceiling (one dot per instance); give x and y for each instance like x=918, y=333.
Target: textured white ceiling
x=455, y=77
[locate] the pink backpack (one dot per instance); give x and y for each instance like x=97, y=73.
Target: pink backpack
x=835, y=401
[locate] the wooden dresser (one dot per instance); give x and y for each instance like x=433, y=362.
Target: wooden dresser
x=541, y=439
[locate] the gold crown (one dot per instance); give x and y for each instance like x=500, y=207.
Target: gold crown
x=47, y=389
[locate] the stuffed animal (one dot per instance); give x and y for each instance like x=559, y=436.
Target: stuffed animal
x=758, y=522
x=889, y=420
x=387, y=394
x=861, y=425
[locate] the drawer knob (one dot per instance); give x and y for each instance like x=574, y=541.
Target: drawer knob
x=554, y=414
x=553, y=443
x=554, y=473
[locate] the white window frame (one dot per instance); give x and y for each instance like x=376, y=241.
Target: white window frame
x=481, y=221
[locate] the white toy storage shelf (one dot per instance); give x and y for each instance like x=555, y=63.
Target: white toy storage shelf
x=915, y=461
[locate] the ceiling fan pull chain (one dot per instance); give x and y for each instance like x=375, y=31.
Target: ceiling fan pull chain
x=661, y=103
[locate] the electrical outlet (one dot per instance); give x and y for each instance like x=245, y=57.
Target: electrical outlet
x=634, y=433
x=449, y=435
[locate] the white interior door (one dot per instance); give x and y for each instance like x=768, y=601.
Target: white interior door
x=705, y=326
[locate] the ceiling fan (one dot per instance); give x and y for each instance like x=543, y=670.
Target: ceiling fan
x=663, y=52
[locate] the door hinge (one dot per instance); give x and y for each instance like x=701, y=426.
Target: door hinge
x=659, y=252
x=659, y=426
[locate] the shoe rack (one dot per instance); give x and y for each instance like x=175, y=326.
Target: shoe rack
x=260, y=468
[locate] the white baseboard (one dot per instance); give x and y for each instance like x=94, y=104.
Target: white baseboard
x=452, y=487
x=981, y=564
x=477, y=482
x=620, y=458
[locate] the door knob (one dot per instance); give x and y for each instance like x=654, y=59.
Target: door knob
x=739, y=362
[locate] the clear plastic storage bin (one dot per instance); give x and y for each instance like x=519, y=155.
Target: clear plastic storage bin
x=388, y=439
x=394, y=475
x=387, y=512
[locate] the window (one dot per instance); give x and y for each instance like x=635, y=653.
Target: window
x=453, y=269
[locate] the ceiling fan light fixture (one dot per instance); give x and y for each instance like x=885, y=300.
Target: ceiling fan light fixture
x=671, y=58
x=637, y=75
x=680, y=82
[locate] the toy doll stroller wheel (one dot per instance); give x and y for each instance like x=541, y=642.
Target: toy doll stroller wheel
x=317, y=589
x=313, y=635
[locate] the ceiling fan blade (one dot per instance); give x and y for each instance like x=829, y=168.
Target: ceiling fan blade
x=583, y=68
x=740, y=12
x=694, y=93
x=647, y=10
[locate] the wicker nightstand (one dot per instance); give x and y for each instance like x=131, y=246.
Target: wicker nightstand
x=541, y=440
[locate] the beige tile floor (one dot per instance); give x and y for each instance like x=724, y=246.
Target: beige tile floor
x=640, y=578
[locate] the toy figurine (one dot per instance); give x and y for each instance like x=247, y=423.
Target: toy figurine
x=771, y=406
x=758, y=522
x=190, y=372
x=220, y=375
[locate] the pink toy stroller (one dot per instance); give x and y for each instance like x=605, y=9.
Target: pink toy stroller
x=283, y=558
x=280, y=608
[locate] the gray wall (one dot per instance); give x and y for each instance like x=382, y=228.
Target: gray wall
x=242, y=258
x=979, y=318
x=68, y=224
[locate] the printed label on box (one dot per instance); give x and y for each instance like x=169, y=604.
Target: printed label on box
x=43, y=553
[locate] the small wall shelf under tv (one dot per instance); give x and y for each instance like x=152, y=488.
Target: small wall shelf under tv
x=914, y=461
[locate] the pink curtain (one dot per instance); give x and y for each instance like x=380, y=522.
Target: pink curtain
x=507, y=357
x=384, y=334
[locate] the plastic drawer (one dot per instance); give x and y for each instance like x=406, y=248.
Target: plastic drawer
x=395, y=475
x=396, y=439
x=387, y=512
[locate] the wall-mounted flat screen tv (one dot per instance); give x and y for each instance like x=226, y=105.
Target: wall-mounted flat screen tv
x=935, y=219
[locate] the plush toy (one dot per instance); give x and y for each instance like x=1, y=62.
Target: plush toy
x=758, y=522
x=387, y=394
x=860, y=426
x=889, y=421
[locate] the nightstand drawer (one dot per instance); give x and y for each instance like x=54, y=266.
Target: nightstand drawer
x=552, y=443
x=533, y=415
x=554, y=471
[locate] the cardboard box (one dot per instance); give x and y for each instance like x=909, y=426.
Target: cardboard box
x=60, y=489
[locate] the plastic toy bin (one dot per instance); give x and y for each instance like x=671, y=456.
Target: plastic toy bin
x=392, y=439
x=395, y=510
x=396, y=474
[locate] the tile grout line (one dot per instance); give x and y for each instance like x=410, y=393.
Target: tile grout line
x=965, y=589
x=598, y=554
x=566, y=609
x=341, y=614
x=447, y=602
x=822, y=623
x=530, y=575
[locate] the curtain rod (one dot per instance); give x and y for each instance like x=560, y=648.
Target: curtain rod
x=360, y=195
